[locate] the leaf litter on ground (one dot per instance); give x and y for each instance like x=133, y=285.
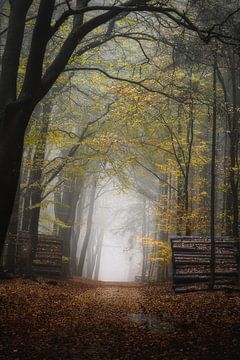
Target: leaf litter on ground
x=81, y=319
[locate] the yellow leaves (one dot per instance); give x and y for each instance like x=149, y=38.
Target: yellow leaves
x=160, y=250
x=235, y=169
x=32, y=137
x=223, y=187
x=48, y=219
x=55, y=137
x=104, y=142
x=65, y=259
x=203, y=194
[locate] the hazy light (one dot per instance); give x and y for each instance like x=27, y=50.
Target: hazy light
x=119, y=260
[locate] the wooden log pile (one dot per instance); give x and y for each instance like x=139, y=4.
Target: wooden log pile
x=191, y=263
x=48, y=260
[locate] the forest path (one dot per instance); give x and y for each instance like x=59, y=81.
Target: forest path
x=84, y=320
x=96, y=283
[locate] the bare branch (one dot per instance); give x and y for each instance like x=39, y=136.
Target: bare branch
x=133, y=82
x=156, y=175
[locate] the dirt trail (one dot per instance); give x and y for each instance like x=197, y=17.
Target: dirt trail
x=93, y=320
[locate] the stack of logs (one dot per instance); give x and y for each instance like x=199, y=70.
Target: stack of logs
x=191, y=263
x=48, y=260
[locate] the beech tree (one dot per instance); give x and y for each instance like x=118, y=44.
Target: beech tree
x=17, y=105
x=20, y=95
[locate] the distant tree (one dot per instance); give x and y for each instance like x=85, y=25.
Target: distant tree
x=87, y=236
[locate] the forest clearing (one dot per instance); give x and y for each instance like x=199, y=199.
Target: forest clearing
x=83, y=319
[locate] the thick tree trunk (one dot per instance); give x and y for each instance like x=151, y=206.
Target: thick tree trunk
x=11, y=149
x=12, y=236
x=69, y=199
x=15, y=110
x=35, y=182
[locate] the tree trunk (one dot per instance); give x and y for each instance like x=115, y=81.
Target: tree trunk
x=76, y=229
x=35, y=181
x=11, y=149
x=144, y=233
x=90, y=255
x=213, y=178
x=12, y=236
x=98, y=255
x=88, y=230
x=186, y=203
x=69, y=200
x=234, y=149
x=180, y=205
x=225, y=202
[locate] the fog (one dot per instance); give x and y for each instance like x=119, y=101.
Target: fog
x=121, y=254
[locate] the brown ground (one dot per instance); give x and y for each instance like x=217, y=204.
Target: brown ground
x=93, y=320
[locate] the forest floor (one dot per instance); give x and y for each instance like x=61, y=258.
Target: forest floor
x=91, y=320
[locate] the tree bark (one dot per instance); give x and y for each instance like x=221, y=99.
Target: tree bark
x=88, y=230
x=144, y=234
x=15, y=113
x=69, y=201
x=213, y=177
x=234, y=142
x=12, y=236
x=11, y=55
x=35, y=182
x=11, y=149
x=98, y=255
x=76, y=228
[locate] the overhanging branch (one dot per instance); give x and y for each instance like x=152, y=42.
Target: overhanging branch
x=133, y=82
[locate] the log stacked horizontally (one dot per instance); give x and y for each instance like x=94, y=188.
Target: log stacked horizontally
x=48, y=260
x=191, y=256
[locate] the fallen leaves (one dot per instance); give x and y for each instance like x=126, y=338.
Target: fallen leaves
x=86, y=320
